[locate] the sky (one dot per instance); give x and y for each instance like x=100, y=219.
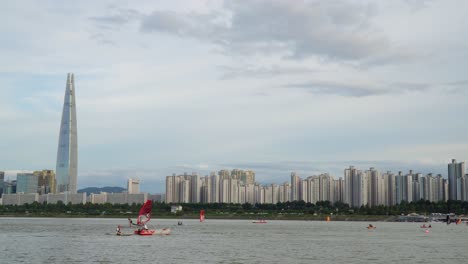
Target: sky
x=168, y=87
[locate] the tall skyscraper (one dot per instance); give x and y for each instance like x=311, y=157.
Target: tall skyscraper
x=455, y=173
x=67, y=153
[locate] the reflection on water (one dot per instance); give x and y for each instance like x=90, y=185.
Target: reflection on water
x=53, y=240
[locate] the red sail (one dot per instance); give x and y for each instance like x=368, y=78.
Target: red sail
x=202, y=215
x=145, y=213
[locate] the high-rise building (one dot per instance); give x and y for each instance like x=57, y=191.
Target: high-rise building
x=67, y=153
x=236, y=174
x=224, y=174
x=399, y=188
x=2, y=179
x=455, y=173
x=390, y=181
x=224, y=190
x=133, y=186
x=356, y=187
x=9, y=187
x=274, y=193
x=339, y=187
x=172, y=189
x=195, y=188
x=313, y=189
x=46, y=181
x=373, y=191
x=285, y=192
x=306, y=190
x=295, y=187
x=327, y=190
x=214, y=196
x=249, y=193
x=464, y=187
x=248, y=177
x=205, y=196
x=408, y=187
x=26, y=183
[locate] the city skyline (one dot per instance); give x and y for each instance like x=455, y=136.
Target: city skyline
x=357, y=188
x=454, y=174
x=206, y=85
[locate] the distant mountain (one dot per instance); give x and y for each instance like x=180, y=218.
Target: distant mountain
x=107, y=189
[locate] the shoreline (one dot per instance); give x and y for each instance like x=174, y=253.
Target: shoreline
x=350, y=218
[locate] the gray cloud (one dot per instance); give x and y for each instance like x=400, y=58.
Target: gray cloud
x=251, y=71
x=331, y=29
x=416, y=5
x=458, y=83
x=120, y=18
x=354, y=90
x=460, y=86
x=329, y=88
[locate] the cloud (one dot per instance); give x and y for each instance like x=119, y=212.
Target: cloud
x=152, y=95
x=119, y=18
x=252, y=71
x=417, y=5
x=460, y=86
x=297, y=29
x=347, y=89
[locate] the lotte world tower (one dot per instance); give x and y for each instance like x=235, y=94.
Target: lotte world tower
x=67, y=153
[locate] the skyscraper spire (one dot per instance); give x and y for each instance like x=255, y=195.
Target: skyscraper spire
x=67, y=153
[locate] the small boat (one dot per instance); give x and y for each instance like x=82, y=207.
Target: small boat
x=260, y=222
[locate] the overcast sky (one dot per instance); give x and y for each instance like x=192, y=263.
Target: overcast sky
x=273, y=86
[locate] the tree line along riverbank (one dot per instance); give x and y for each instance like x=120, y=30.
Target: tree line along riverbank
x=297, y=210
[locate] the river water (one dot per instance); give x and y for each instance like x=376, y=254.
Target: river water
x=56, y=240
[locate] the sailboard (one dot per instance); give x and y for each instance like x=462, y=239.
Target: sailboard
x=202, y=215
x=145, y=213
x=144, y=216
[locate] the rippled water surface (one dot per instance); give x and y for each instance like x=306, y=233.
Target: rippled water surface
x=54, y=240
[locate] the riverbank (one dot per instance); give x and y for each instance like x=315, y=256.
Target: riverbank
x=373, y=218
